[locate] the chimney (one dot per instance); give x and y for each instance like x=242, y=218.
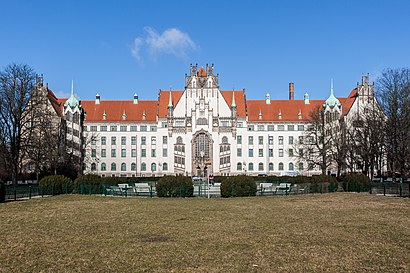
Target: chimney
x=291, y=91
x=97, y=99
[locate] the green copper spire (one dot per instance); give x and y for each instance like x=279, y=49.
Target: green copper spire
x=72, y=101
x=332, y=101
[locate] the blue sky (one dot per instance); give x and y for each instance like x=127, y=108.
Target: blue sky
x=117, y=48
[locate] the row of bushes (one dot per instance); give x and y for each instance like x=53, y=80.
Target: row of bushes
x=2, y=192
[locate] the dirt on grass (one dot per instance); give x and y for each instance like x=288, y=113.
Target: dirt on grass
x=340, y=232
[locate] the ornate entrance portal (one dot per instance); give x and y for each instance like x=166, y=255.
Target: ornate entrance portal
x=202, y=154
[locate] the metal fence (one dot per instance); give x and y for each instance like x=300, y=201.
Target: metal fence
x=391, y=189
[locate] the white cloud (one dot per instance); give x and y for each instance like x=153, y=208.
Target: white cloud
x=172, y=41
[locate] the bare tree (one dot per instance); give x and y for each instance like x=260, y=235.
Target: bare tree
x=339, y=143
x=315, y=150
x=16, y=87
x=393, y=91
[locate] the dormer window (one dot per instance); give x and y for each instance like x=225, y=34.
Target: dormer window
x=280, y=115
x=104, y=116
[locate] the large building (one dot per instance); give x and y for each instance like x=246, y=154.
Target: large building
x=200, y=130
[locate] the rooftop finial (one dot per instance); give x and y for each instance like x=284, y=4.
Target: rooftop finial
x=233, y=100
x=170, y=99
x=72, y=88
x=331, y=87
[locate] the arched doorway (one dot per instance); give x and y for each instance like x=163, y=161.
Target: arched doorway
x=202, y=154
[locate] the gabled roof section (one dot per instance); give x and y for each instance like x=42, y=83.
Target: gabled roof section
x=163, y=101
x=114, y=110
x=239, y=101
x=56, y=103
x=288, y=110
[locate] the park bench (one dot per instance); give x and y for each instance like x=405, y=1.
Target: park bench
x=266, y=188
x=142, y=189
x=283, y=188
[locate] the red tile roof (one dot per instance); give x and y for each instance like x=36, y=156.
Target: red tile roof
x=56, y=103
x=164, y=100
x=201, y=72
x=114, y=110
x=348, y=102
x=239, y=101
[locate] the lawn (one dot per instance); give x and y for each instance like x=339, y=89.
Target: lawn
x=337, y=232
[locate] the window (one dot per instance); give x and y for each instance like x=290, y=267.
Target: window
x=270, y=140
x=123, y=140
x=164, y=152
x=93, y=167
x=291, y=127
x=280, y=152
x=113, y=140
x=103, y=167
x=261, y=127
x=113, y=153
x=123, y=153
x=280, y=166
x=113, y=167
x=271, y=127
x=280, y=140
x=153, y=153
x=103, y=153
x=153, y=140
x=251, y=128
x=179, y=140
x=270, y=152
x=123, y=167
x=291, y=152
x=301, y=128
x=103, y=140
x=113, y=128
x=93, y=129
x=133, y=153
x=164, y=124
x=85, y=128
x=300, y=139
x=239, y=140
x=93, y=153
x=281, y=127
x=143, y=167
x=250, y=152
x=271, y=166
x=123, y=128
x=250, y=140
x=301, y=152
x=291, y=140
x=250, y=166
x=93, y=141
x=260, y=153
x=239, y=166
x=143, y=140
x=153, y=167
x=143, y=128
x=165, y=167
x=291, y=166
x=260, y=140
x=224, y=140
x=133, y=166
x=239, y=125
x=153, y=128
x=164, y=140
x=300, y=166
x=239, y=152
x=260, y=167
x=133, y=140
x=103, y=128
x=133, y=128
x=143, y=153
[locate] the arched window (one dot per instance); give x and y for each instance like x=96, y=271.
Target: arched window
x=143, y=167
x=300, y=166
x=280, y=166
x=165, y=167
x=113, y=167
x=133, y=166
x=224, y=139
x=179, y=140
x=221, y=149
x=103, y=167
x=260, y=167
x=271, y=166
x=291, y=166
x=123, y=167
x=239, y=166
x=93, y=167
x=250, y=166
x=153, y=167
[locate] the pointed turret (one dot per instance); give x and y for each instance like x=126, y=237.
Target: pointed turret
x=72, y=101
x=233, y=100
x=170, y=100
x=332, y=101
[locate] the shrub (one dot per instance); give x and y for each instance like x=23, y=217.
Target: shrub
x=56, y=184
x=2, y=192
x=175, y=186
x=356, y=183
x=240, y=186
x=323, y=183
x=89, y=183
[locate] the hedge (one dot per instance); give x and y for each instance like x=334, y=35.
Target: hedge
x=55, y=184
x=2, y=192
x=238, y=186
x=323, y=183
x=356, y=183
x=175, y=186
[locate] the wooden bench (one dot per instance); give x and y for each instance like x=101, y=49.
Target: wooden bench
x=142, y=189
x=283, y=188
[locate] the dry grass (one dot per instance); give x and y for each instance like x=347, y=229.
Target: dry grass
x=334, y=232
